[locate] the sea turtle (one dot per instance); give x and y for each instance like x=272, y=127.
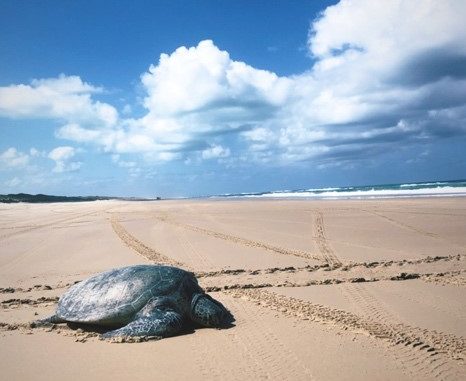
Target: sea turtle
x=142, y=300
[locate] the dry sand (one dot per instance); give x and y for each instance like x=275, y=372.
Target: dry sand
x=329, y=290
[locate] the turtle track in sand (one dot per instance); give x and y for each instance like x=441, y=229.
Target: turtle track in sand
x=139, y=247
x=328, y=281
x=241, y=240
x=328, y=268
x=447, y=277
x=36, y=287
x=422, y=350
x=365, y=272
x=246, y=284
x=453, y=278
x=18, y=302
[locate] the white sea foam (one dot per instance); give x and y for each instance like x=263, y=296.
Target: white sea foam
x=320, y=189
x=422, y=184
x=371, y=193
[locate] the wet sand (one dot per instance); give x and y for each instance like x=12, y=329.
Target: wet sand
x=330, y=290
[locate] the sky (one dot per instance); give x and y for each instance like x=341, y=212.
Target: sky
x=190, y=98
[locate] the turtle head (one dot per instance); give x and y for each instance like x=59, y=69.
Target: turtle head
x=208, y=312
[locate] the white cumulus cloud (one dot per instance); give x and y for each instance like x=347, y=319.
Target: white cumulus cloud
x=12, y=158
x=61, y=156
x=193, y=95
x=205, y=78
x=383, y=73
x=64, y=98
x=196, y=93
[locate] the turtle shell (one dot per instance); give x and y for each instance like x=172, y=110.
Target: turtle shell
x=113, y=298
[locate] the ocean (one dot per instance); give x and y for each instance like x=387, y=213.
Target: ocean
x=420, y=189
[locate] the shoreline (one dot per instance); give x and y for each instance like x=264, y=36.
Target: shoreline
x=253, y=198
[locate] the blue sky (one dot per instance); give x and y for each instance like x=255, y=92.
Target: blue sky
x=178, y=98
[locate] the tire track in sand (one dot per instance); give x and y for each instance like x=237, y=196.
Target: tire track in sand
x=189, y=248
x=269, y=348
x=139, y=247
x=427, y=365
x=241, y=240
x=406, y=226
x=322, y=242
x=400, y=354
x=401, y=224
x=29, y=228
x=439, y=353
x=422, y=356
x=253, y=347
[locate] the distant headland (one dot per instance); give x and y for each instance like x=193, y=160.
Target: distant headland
x=44, y=198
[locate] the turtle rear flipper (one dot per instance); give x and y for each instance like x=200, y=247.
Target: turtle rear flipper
x=161, y=323
x=54, y=319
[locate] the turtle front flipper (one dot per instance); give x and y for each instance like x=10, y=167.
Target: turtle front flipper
x=160, y=322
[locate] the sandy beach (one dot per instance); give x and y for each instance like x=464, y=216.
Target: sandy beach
x=320, y=290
